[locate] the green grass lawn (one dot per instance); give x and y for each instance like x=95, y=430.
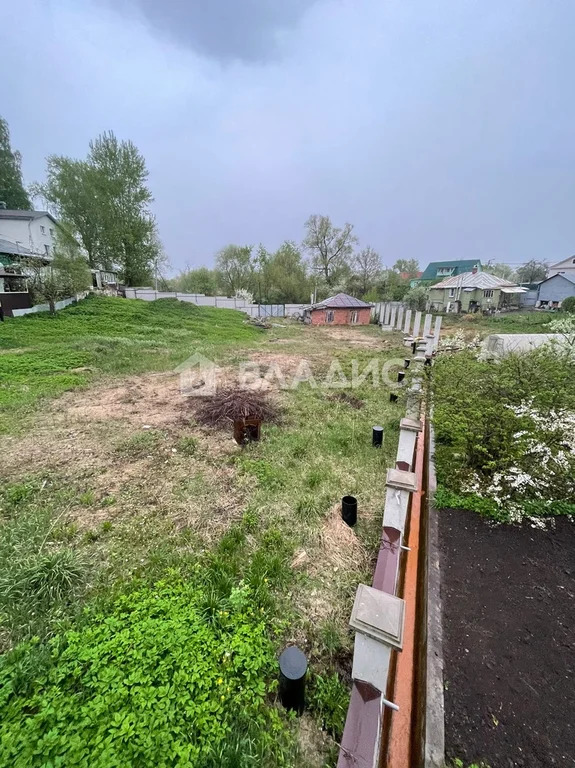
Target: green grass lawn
x=150, y=577
x=43, y=355
x=506, y=322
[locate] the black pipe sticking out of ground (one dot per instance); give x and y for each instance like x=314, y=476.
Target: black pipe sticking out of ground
x=349, y=510
x=293, y=668
x=406, y=362
x=377, y=437
x=400, y=376
x=392, y=397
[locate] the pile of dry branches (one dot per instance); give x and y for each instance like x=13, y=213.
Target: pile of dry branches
x=230, y=405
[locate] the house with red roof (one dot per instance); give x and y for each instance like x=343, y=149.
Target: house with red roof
x=340, y=309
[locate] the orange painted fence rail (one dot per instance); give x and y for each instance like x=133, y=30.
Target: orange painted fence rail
x=384, y=726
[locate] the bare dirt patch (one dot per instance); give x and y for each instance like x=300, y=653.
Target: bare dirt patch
x=154, y=399
x=508, y=596
x=132, y=445
x=355, y=337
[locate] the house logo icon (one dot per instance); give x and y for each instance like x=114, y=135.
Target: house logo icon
x=198, y=376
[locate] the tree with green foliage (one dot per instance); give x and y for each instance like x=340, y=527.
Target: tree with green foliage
x=198, y=280
x=501, y=270
x=235, y=268
x=284, y=275
x=67, y=274
x=416, y=298
x=330, y=248
x=69, y=190
x=568, y=304
x=367, y=264
x=129, y=237
x=391, y=286
x=532, y=272
x=410, y=267
x=104, y=201
x=12, y=190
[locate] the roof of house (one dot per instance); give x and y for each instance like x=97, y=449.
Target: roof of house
x=30, y=215
x=571, y=278
x=474, y=280
x=568, y=262
x=7, y=246
x=339, y=301
x=410, y=275
x=464, y=265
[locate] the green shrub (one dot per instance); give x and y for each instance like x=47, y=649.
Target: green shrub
x=155, y=680
x=504, y=436
x=568, y=304
x=329, y=700
x=446, y=499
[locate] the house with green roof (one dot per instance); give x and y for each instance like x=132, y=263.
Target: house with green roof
x=441, y=270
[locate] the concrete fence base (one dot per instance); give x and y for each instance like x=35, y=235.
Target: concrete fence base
x=368, y=731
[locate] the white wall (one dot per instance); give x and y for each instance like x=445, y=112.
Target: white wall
x=564, y=267
x=29, y=233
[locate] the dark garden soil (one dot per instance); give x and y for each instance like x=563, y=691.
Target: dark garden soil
x=508, y=595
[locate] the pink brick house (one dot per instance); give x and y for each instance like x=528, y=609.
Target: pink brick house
x=340, y=309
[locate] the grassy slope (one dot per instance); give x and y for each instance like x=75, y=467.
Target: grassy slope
x=287, y=486
x=41, y=355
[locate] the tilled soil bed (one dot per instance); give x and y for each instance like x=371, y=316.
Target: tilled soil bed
x=508, y=595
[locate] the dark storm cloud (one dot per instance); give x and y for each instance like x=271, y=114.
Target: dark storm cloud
x=223, y=29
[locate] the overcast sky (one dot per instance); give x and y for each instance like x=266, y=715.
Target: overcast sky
x=439, y=128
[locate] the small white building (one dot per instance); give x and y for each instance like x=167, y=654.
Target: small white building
x=565, y=267
x=34, y=231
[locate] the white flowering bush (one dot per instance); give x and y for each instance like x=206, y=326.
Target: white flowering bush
x=566, y=327
x=244, y=295
x=505, y=432
x=544, y=468
x=458, y=341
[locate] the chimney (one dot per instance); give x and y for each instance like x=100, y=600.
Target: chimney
x=475, y=269
x=2, y=205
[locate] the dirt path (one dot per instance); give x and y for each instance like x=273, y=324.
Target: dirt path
x=508, y=598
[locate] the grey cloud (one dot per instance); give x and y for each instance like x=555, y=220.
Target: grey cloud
x=223, y=29
x=440, y=130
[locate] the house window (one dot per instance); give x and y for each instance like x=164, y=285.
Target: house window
x=353, y=316
x=47, y=250
x=488, y=294
x=329, y=314
x=42, y=229
x=51, y=232
x=442, y=271
x=452, y=293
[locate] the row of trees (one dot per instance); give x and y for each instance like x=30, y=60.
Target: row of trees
x=531, y=272
x=326, y=262
x=102, y=203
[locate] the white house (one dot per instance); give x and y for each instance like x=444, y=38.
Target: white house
x=565, y=267
x=34, y=231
